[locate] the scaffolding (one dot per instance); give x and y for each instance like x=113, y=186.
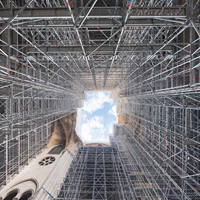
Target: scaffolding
x=26, y=124
x=162, y=162
x=133, y=167
x=145, y=52
x=96, y=173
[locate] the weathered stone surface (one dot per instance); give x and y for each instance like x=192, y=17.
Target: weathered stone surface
x=48, y=175
x=64, y=132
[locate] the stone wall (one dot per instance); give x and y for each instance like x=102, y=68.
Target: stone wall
x=49, y=168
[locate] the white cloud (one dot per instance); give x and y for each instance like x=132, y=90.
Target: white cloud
x=96, y=101
x=94, y=126
x=78, y=122
x=103, y=138
x=84, y=116
x=113, y=111
x=110, y=128
x=85, y=132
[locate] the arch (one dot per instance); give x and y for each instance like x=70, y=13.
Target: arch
x=56, y=149
x=26, y=195
x=11, y=195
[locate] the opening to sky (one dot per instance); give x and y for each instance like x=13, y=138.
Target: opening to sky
x=98, y=116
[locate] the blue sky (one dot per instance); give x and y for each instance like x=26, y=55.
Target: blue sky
x=98, y=116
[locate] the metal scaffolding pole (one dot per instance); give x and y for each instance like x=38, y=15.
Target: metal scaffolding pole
x=96, y=173
x=145, y=52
